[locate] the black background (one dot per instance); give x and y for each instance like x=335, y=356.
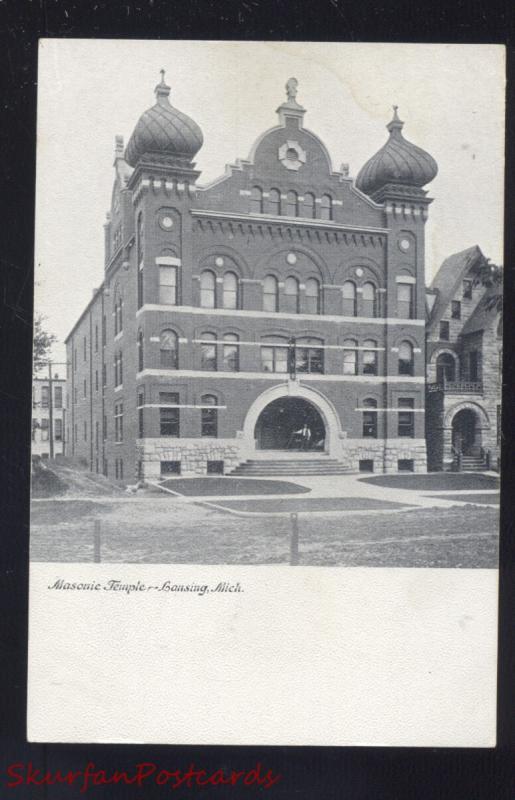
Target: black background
x=354, y=773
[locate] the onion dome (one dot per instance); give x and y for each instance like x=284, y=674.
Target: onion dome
x=164, y=134
x=397, y=162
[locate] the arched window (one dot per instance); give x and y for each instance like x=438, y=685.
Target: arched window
x=370, y=418
x=350, y=357
x=292, y=204
x=270, y=293
x=274, y=201
x=230, y=290
x=209, y=416
x=312, y=298
x=140, y=258
x=406, y=358
x=405, y=300
x=309, y=355
x=208, y=359
x=445, y=368
x=370, y=357
x=256, y=200
x=369, y=300
x=118, y=368
x=207, y=289
x=141, y=360
x=168, y=350
x=291, y=295
x=118, y=314
x=231, y=352
x=349, y=299
x=308, y=206
x=326, y=207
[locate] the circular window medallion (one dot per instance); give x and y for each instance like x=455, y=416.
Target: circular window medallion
x=359, y=272
x=404, y=244
x=291, y=258
x=219, y=261
x=166, y=222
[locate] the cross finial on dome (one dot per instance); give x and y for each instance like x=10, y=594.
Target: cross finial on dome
x=163, y=77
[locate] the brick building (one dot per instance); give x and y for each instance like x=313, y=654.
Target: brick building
x=464, y=367
x=48, y=415
x=282, y=297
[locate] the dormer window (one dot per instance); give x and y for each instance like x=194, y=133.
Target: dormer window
x=467, y=289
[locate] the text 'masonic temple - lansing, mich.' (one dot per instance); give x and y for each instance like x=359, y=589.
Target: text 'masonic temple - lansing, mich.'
x=276, y=315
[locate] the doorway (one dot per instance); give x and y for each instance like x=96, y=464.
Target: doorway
x=290, y=423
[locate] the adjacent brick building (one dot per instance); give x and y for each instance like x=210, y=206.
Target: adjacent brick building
x=48, y=415
x=282, y=296
x=464, y=367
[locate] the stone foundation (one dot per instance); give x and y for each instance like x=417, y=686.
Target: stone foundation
x=192, y=453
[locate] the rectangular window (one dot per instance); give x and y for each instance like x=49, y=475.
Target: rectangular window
x=309, y=359
x=85, y=348
x=96, y=343
x=208, y=354
x=104, y=331
x=96, y=465
x=406, y=417
x=209, y=423
x=58, y=430
x=170, y=468
x=58, y=397
x=498, y=425
x=467, y=289
x=456, y=309
x=105, y=467
x=104, y=375
x=84, y=387
x=104, y=428
x=34, y=426
x=405, y=465
x=274, y=359
x=44, y=397
x=97, y=427
x=169, y=422
x=370, y=424
x=168, y=285
x=405, y=304
x=366, y=465
x=118, y=422
x=85, y=431
x=444, y=331
x=231, y=353
x=96, y=380
x=474, y=365
x=215, y=468
x=44, y=430
x=350, y=362
x=75, y=395
x=369, y=362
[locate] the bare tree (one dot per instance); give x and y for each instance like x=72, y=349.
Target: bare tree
x=43, y=342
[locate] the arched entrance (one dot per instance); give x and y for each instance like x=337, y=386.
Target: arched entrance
x=290, y=423
x=466, y=434
x=445, y=368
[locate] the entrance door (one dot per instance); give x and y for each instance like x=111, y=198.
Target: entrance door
x=290, y=423
x=464, y=434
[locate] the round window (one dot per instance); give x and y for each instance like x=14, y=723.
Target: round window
x=404, y=244
x=166, y=222
x=291, y=258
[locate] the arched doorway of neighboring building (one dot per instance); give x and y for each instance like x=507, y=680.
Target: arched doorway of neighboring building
x=290, y=423
x=466, y=433
x=445, y=368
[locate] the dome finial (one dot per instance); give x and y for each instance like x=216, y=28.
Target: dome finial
x=396, y=124
x=291, y=89
x=162, y=90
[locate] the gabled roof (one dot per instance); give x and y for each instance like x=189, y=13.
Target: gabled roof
x=449, y=277
x=482, y=317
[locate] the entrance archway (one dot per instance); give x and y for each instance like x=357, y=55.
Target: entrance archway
x=466, y=432
x=290, y=423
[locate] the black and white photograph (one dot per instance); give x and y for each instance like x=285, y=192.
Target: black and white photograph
x=266, y=415
x=268, y=304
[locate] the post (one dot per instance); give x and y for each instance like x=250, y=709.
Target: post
x=50, y=411
x=294, y=541
x=96, y=542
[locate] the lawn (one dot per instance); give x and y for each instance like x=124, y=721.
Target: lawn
x=192, y=487
x=473, y=497
x=279, y=505
x=437, y=481
x=165, y=529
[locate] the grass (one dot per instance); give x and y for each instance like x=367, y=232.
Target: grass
x=436, y=481
x=275, y=505
x=476, y=497
x=164, y=529
x=192, y=487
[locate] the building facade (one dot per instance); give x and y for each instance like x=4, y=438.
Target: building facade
x=464, y=367
x=48, y=416
x=283, y=297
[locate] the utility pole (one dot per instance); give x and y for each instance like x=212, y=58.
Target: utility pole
x=50, y=410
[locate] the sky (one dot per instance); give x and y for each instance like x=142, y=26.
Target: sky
x=451, y=98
